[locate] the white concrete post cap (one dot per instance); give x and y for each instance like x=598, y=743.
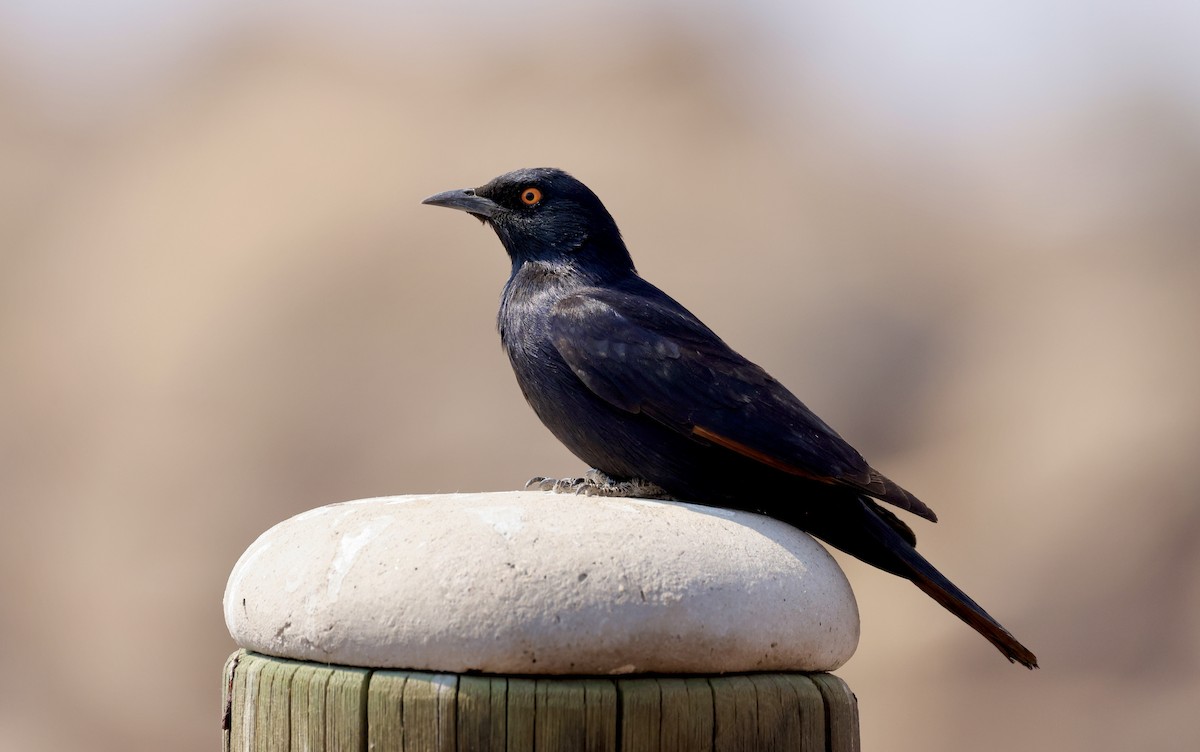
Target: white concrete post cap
x=531, y=582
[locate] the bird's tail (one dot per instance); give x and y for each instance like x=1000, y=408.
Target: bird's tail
x=942, y=590
x=887, y=544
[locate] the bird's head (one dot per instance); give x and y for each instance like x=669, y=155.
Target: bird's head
x=543, y=215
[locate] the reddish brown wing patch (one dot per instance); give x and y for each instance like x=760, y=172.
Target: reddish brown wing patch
x=877, y=485
x=754, y=454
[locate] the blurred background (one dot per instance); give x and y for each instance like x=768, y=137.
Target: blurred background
x=967, y=235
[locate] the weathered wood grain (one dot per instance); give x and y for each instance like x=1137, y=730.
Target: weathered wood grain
x=385, y=710
x=308, y=709
x=520, y=713
x=482, y=702
x=600, y=715
x=841, y=710
x=687, y=715
x=346, y=708
x=285, y=706
x=807, y=707
x=641, y=714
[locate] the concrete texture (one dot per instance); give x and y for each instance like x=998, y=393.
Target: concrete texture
x=542, y=583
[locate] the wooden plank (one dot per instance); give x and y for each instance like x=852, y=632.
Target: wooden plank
x=447, y=705
x=244, y=720
x=789, y=730
x=561, y=722
x=735, y=717
x=273, y=725
x=813, y=713
x=346, y=708
x=263, y=711
x=420, y=712
x=237, y=706
x=641, y=714
x=673, y=715
x=841, y=713
x=777, y=722
x=309, y=683
x=700, y=698
x=520, y=714
x=385, y=710
x=228, y=675
x=805, y=711
x=600, y=699
x=430, y=720
x=481, y=713
x=687, y=715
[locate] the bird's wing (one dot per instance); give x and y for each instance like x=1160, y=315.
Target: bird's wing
x=645, y=355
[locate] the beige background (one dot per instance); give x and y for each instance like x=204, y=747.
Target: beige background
x=221, y=304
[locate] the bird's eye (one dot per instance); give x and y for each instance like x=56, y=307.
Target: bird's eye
x=531, y=196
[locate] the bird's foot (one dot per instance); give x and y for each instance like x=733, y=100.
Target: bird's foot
x=597, y=483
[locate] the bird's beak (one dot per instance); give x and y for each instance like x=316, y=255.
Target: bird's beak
x=466, y=200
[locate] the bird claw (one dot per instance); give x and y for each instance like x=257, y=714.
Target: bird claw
x=557, y=485
x=597, y=483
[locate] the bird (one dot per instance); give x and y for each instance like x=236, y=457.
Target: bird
x=657, y=405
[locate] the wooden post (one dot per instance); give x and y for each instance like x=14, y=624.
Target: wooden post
x=283, y=705
x=508, y=622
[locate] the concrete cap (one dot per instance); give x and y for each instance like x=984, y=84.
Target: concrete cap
x=532, y=582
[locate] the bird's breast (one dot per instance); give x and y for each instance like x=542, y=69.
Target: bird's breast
x=586, y=424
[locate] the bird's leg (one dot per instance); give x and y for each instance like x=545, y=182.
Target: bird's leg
x=598, y=483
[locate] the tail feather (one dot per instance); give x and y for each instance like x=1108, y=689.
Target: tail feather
x=936, y=586
x=877, y=537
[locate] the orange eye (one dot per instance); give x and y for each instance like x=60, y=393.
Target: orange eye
x=531, y=196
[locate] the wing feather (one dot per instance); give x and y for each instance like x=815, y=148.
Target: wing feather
x=647, y=355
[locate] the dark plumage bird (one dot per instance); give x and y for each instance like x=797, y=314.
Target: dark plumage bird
x=637, y=387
